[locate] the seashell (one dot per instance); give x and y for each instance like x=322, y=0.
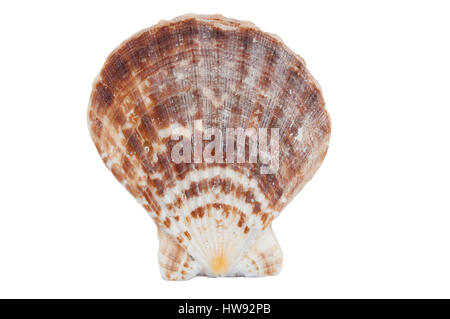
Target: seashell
x=213, y=218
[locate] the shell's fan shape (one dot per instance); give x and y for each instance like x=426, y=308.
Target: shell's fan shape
x=213, y=218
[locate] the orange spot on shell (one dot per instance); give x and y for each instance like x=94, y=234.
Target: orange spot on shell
x=167, y=222
x=219, y=264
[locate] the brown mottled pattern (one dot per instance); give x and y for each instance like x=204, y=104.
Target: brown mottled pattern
x=199, y=212
x=229, y=74
x=224, y=185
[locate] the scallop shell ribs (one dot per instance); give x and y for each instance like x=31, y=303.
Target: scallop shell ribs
x=183, y=77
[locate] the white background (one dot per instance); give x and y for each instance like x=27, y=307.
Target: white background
x=373, y=222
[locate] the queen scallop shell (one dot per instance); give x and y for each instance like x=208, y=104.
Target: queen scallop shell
x=213, y=219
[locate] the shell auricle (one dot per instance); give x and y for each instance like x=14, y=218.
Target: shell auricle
x=178, y=79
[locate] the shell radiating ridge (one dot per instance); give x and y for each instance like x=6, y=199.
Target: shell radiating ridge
x=179, y=79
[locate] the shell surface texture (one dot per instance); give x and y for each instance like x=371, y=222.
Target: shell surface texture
x=179, y=78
